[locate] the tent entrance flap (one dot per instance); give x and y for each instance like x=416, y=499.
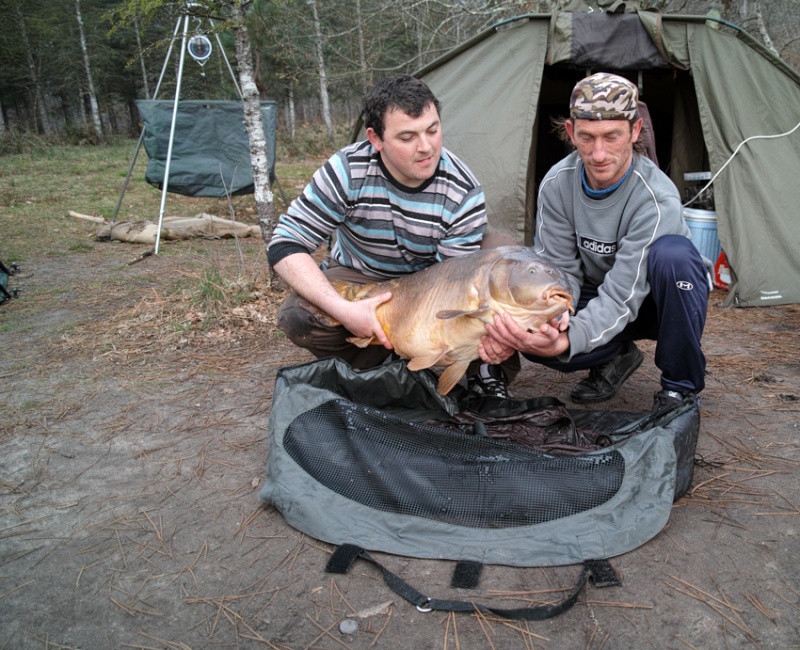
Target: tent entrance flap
x=211, y=152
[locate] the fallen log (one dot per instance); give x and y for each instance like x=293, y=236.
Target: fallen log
x=85, y=217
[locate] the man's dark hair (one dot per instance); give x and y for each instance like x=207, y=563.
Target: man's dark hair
x=400, y=91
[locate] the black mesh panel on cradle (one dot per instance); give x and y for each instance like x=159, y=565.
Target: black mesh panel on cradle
x=393, y=465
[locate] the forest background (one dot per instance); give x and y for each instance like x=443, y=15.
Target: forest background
x=72, y=70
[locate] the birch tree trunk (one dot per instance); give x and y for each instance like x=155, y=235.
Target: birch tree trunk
x=362, y=56
x=292, y=111
x=253, y=121
x=95, y=109
x=763, y=32
x=82, y=107
x=38, y=95
x=323, y=77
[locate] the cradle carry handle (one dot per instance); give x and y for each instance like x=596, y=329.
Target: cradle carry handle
x=602, y=573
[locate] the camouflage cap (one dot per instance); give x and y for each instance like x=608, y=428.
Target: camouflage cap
x=604, y=96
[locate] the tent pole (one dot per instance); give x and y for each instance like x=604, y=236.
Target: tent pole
x=172, y=132
x=141, y=134
x=127, y=178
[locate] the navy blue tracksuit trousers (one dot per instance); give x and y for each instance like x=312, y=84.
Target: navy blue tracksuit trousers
x=673, y=314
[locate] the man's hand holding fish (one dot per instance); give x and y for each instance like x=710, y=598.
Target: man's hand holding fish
x=505, y=336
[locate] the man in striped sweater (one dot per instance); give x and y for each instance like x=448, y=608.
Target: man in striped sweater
x=390, y=205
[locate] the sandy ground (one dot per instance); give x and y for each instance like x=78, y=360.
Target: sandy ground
x=131, y=454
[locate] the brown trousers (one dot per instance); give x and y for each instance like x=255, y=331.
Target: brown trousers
x=304, y=328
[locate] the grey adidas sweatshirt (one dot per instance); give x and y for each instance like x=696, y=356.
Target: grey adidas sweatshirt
x=604, y=242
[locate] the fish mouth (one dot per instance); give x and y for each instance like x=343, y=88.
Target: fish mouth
x=559, y=295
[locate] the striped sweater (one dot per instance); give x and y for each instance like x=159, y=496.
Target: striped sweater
x=382, y=228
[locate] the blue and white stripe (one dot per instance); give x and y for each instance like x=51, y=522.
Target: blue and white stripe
x=383, y=229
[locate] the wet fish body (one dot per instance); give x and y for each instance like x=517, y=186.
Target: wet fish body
x=437, y=316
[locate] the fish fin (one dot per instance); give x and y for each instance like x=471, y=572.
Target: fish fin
x=339, y=285
x=446, y=314
x=350, y=291
x=362, y=341
x=450, y=377
x=323, y=317
x=420, y=363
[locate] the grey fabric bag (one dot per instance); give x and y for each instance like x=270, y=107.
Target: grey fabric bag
x=380, y=460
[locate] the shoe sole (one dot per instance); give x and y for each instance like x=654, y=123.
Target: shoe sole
x=597, y=400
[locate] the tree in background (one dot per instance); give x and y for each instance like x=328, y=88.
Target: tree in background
x=317, y=70
x=254, y=125
x=50, y=52
x=91, y=94
x=22, y=48
x=319, y=45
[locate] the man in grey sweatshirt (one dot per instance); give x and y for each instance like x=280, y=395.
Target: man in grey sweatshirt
x=612, y=220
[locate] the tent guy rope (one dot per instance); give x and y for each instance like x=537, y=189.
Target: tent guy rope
x=736, y=151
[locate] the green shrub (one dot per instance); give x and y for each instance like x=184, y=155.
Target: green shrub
x=311, y=141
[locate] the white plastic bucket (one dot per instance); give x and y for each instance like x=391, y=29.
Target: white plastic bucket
x=703, y=226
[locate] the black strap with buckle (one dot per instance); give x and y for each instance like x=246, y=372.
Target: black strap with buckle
x=602, y=573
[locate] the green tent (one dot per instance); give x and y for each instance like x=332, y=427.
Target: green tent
x=718, y=100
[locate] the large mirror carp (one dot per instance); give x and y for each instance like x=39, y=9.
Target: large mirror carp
x=437, y=316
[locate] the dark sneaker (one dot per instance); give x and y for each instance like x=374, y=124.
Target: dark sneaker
x=489, y=381
x=666, y=400
x=604, y=381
